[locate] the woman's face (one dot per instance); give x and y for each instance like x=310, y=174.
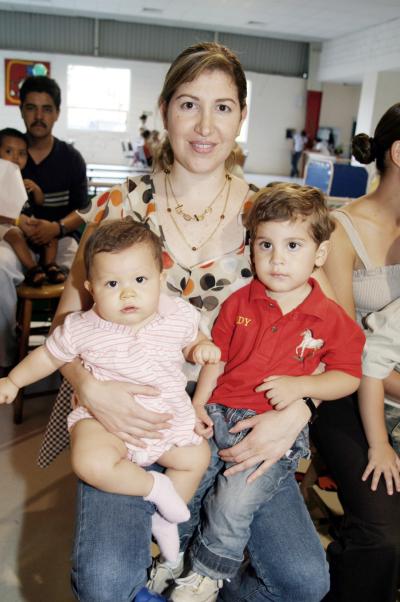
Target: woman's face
x=203, y=119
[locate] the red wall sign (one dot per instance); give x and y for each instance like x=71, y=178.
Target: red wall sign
x=16, y=71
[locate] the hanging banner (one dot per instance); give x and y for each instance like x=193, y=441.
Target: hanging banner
x=16, y=71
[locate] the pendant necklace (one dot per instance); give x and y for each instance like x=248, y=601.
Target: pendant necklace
x=179, y=209
x=228, y=179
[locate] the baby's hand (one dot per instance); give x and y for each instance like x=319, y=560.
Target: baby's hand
x=8, y=391
x=206, y=353
x=383, y=462
x=30, y=185
x=204, y=424
x=281, y=391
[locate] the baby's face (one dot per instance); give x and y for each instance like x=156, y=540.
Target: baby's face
x=14, y=150
x=126, y=285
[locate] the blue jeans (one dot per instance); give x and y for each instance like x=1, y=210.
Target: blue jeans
x=269, y=516
x=112, y=548
x=112, y=545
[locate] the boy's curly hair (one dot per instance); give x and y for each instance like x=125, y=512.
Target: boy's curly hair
x=283, y=202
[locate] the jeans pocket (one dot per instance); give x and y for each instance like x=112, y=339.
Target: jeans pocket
x=301, y=447
x=224, y=418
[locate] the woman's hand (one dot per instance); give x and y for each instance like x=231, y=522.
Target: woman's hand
x=113, y=404
x=272, y=435
x=383, y=461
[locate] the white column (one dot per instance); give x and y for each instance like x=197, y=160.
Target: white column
x=380, y=90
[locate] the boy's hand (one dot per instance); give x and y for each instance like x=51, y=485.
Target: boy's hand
x=204, y=424
x=281, y=390
x=383, y=461
x=8, y=391
x=206, y=353
x=30, y=185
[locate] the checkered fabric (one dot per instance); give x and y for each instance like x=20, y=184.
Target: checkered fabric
x=56, y=437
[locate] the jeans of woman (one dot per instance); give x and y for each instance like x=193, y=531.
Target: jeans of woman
x=365, y=560
x=112, y=548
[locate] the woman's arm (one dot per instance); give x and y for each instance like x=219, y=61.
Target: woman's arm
x=75, y=297
x=382, y=459
x=339, y=268
x=392, y=385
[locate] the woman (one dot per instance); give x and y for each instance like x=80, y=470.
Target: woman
x=196, y=207
x=363, y=267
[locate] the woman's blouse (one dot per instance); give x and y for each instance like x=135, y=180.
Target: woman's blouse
x=373, y=287
x=205, y=285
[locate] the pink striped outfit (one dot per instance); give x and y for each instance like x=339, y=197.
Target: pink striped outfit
x=151, y=356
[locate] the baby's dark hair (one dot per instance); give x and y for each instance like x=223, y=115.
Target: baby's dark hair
x=366, y=149
x=117, y=235
x=281, y=202
x=12, y=133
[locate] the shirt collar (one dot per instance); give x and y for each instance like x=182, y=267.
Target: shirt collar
x=316, y=304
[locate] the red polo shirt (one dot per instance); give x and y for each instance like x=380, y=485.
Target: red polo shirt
x=257, y=341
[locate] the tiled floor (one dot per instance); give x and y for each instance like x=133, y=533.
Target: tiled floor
x=36, y=512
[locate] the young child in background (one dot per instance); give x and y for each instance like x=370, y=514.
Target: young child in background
x=380, y=414
x=273, y=335
x=133, y=334
x=14, y=148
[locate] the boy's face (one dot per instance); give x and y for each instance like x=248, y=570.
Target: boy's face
x=39, y=114
x=14, y=150
x=126, y=285
x=285, y=254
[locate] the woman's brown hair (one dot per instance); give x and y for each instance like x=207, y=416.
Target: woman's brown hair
x=192, y=62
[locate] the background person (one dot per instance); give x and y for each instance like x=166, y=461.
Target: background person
x=196, y=207
x=299, y=142
x=60, y=172
x=363, y=268
x=380, y=416
x=14, y=148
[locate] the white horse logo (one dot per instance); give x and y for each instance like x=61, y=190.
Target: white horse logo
x=308, y=343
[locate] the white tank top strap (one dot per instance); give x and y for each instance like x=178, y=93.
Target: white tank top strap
x=347, y=223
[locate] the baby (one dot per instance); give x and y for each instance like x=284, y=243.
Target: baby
x=14, y=148
x=133, y=334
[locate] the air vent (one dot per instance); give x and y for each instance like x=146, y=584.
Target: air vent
x=151, y=9
x=258, y=23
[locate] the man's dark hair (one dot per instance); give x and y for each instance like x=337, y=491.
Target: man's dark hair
x=12, y=133
x=41, y=83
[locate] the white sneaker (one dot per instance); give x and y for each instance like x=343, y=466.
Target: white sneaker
x=162, y=574
x=197, y=588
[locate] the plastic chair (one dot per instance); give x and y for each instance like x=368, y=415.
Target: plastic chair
x=27, y=295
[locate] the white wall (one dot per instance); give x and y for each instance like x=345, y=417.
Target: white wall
x=339, y=109
x=277, y=103
x=349, y=57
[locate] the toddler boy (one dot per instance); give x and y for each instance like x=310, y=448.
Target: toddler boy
x=273, y=335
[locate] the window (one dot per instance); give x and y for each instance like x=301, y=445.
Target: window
x=98, y=98
x=242, y=138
